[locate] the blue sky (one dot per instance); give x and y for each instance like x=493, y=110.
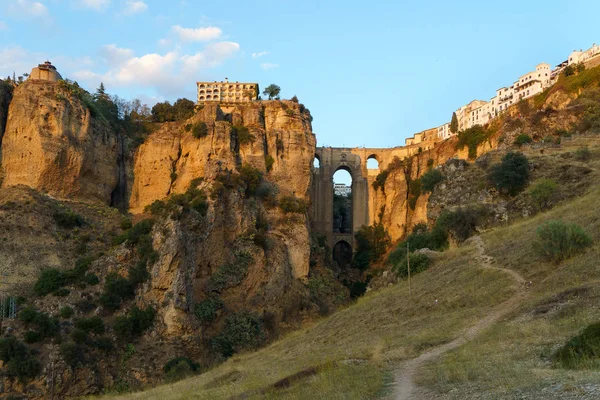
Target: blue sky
x=371, y=72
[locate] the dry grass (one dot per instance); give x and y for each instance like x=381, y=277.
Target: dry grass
x=360, y=345
x=361, y=342
x=513, y=358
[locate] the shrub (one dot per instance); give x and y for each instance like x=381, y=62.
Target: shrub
x=371, y=244
x=472, y=138
x=541, y=191
x=116, y=289
x=62, y=292
x=50, y=280
x=430, y=163
x=559, y=241
x=66, y=312
x=241, y=331
x=583, y=154
x=68, y=219
x=461, y=223
x=243, y=134
x=199, y=130
x=267, y=192
x=135, y=323
x=18, y=359
x=32, y=337
x=523, y=139
x=292, y=204
x=179, y=368
x=430, y=179
x=206, y=310
x=512, y=174
x=72, y=353
x=103, y=343
x=379, y=182
x=93, y=324
x=232, y=273
x=269, y=162
x=251, y=178
x=581, y=349
x=125, y=223
x=79, y=336
x=418, y=263
x=27, y=315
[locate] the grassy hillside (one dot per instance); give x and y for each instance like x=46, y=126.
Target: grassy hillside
x=354, y=353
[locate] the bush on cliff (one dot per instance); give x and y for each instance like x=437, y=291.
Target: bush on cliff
x=542, y=191
x=199, y=130
x=17, y=358
x=243, y=134
x=371, y=244
x=206, y=310
x=135, y=323
x=430, y=179
x=512, y=174
x=292, y=204
x=66, y=218
x=180, y=368
x=241, y=331
x=472, y=138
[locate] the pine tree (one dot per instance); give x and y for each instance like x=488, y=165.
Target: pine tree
x=454, y=123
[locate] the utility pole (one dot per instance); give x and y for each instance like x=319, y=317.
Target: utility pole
x=408, y=267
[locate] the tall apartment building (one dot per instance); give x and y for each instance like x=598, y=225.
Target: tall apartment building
x=227, y=92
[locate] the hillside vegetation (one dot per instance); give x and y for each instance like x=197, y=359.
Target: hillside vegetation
x=355, y=352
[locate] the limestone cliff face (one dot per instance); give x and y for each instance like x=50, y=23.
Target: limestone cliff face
x=191, y=252
x=53, y=144
x=171, y=157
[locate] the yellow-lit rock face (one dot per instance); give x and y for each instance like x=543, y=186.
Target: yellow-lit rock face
x=171, y=158
x=52, y=144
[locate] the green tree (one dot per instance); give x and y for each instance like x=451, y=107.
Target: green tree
x=454, y=123
x=272, y=91
x=512, y=174
x=371, y=244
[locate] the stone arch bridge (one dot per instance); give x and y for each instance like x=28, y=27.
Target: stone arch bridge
x=354, y=161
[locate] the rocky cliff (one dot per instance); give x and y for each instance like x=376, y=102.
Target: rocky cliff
x=53, y=144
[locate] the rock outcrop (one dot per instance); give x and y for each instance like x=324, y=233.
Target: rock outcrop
x=54, y=145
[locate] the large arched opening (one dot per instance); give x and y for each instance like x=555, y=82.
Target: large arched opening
x=342, y=254
x=316, y=162
x=342, y=201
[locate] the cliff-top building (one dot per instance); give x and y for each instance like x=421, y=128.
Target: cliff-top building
x=45, y=72
x=227, y=92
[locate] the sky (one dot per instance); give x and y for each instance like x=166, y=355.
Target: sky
x=372, y=73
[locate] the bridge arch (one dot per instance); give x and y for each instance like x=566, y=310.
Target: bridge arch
x=373, y=162
x=332, y=160
x=342, y=254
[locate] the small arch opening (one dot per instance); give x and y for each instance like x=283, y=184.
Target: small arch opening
x=372, y=162
x=342, y=254
x=316, y=162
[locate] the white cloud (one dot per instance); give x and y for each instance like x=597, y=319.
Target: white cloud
x=98, y=5
x=169, y=74
x=164, y=42
x=197, y=34
x=19, y=60
x=267, y=66
x=134, y=7
x=31, y=9
x=258, y=55
x=115, y=55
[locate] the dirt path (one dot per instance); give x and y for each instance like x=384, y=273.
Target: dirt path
x=404, y=387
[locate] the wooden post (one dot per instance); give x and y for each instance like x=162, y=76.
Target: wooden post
x=408, y=267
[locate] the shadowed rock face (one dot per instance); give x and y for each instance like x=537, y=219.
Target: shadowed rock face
x=5, y=98
x=54, y=145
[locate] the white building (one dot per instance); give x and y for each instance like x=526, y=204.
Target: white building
x=226, y=92
x=342, y=189
x=443, y=131
x=581, y=56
